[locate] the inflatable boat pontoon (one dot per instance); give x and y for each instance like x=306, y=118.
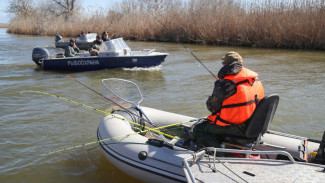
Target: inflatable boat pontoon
x=265, y=156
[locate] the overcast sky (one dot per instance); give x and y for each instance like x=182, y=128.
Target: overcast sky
x=87, y=4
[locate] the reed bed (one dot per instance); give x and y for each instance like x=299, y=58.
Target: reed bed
x=297, y=24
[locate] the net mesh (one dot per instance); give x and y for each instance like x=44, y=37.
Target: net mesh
x=123, y=94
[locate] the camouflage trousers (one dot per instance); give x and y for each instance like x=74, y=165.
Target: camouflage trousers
x=210, y=135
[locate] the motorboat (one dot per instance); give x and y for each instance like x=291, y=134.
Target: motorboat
x=112, y=54
x=135, y=139
x=83, y=42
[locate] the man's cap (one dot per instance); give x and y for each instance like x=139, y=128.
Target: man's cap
x=105, y=33
x=82, y=31
x=99, y=37
x=72, y=40
x=231, y=57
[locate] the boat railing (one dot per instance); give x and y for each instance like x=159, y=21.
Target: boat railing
x=149, y=50
x=186, y=167
x=196, y=156
x=249, y=152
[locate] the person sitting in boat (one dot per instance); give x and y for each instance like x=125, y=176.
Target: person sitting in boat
x=71, y=50
x=105, y=36
x=235, y=96
x=94, y=50
x=82, y=33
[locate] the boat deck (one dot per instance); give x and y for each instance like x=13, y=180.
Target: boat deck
x=256, y=171
x=208, y=169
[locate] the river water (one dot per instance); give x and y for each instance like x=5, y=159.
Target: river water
x=32, y=124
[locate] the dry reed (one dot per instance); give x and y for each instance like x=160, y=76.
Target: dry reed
x=299, y=24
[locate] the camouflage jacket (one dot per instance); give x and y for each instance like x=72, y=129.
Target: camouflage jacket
x=95, y=48
x=71, y=51
x=223, y=88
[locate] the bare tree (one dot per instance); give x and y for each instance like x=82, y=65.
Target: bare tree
x=64, y=8
x=20, y=7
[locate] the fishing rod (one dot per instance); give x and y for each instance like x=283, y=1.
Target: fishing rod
x=89, y=107
x=139, y=116
x=137, y=108
x=140, y=111
x=106, y=113
x=179, y=42
x=103, y=140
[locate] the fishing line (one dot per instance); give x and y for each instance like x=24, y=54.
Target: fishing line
x=179, y=42
x=98, y=110
x=75, y=102
x=139, y=116
x=106, y=97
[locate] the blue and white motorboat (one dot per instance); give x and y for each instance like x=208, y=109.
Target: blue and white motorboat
x=112, y=54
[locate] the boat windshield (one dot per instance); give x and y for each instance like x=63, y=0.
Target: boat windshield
x=122, y=43
x=103, y=47
x=116, y=44
x=88, y=37
x=110, y=46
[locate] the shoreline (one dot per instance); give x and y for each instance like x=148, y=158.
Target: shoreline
x=298, y=25
x=4, y=25
x=163, y=40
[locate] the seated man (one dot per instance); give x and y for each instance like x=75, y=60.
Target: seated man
x=94, y=50
x=82, y=33
x=71, y=50
x=235, y=96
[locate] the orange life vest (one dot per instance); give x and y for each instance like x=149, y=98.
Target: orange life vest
x=239, y=107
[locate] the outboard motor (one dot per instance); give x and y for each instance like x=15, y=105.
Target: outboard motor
x=58, y=38
x=40, y=54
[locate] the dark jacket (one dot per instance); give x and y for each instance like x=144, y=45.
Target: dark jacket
x=223, y=88
x=105, y=39
x=71, y=51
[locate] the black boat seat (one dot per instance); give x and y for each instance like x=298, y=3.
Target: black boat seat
x=257, y=124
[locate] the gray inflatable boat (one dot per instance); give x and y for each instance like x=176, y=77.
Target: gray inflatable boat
x=149, y=145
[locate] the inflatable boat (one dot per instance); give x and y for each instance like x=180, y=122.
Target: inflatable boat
x=159, y=151
x=112, y=54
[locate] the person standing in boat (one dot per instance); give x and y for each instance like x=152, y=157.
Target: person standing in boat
x=71, y=50
x=234, y=98
x=105, y=36
x=94, y=50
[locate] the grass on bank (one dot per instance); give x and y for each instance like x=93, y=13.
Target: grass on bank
x=299, y=24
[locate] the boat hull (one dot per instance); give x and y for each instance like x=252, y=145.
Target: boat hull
x=163, y=164
x=99, y=63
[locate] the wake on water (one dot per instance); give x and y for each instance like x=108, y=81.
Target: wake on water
x=155, y=68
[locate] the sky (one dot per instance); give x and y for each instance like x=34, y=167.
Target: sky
x=87, y=4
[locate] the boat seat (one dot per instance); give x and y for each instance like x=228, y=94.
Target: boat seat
x=59, y=55
x=257, y=124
